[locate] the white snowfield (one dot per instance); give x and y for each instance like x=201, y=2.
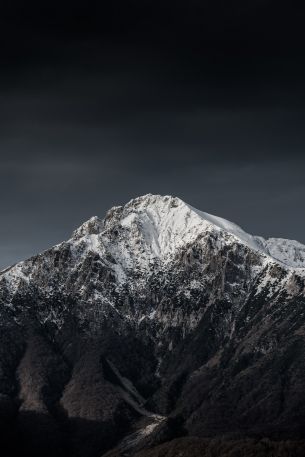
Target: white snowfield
x=156, y=227
x=290, y=252
x=165, y=223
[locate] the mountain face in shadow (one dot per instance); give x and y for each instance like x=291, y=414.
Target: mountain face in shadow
x=157, y=331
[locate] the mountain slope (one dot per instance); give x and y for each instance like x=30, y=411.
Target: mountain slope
x=158, y=307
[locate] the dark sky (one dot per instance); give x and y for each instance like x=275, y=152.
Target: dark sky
x=100, y=104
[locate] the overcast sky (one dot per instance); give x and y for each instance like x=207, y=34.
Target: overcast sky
x=91, y=117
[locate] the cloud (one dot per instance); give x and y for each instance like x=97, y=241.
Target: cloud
x=98, y=125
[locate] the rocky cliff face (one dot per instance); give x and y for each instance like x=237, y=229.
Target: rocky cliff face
x=158, y=320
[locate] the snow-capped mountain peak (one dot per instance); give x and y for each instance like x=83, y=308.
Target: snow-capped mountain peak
x=192, y=296
x=152, y=231
x=165, y=223
x=155, y=226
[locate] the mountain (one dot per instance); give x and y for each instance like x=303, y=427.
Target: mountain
x=156, y=330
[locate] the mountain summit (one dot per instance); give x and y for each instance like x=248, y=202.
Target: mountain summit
x=163, y=224
x=155, y=322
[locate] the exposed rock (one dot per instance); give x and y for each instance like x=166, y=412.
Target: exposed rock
x=160, y=308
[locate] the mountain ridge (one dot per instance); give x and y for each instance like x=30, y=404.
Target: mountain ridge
x=151, y=324
x=271, y=246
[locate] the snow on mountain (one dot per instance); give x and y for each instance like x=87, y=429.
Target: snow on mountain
x=192, y=297
x=290, y=252
x=232, y=228
x=152, y=229
x=155, y=226
x=169, y=222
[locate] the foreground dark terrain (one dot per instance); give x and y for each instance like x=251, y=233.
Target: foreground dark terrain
x=159, y=331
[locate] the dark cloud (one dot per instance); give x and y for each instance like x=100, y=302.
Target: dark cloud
x=91, y=116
